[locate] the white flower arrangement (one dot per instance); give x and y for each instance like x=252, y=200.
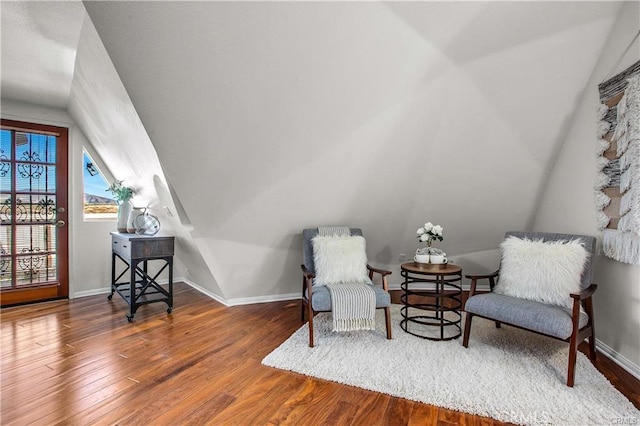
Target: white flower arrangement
x=429, y=232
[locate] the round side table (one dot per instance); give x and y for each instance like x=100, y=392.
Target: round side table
x=432, y=300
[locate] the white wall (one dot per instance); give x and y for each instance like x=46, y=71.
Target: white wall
x=269, y=117
x=568, y=202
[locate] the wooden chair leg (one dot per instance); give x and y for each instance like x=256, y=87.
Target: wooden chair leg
x=302, y=299
x=573, y=353
x=592, y=346
x=310, y=332
x=387, y=317
x=310, y=312
x=576, y=337
x=467, y=329
x=592, y=336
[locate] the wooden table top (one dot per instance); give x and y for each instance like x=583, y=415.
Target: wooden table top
x=431, y=268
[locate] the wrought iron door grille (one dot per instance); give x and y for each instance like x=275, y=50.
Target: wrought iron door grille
x=27, y=209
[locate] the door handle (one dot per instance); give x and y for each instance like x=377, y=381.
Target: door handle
x=60, y=223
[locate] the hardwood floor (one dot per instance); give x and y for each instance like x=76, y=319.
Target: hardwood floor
x=80, y=362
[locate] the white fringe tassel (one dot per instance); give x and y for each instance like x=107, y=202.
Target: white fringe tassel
x=602, y=200
x=629, y=157
x=621, y=125
x=625, y=180
x=621, y=246
x=625, y=203
x=603, y=128
x=622, y=140
x=630, y=200
x=601, y=146
x=602, y=220
x=601, y=163
x=602, y=180
x=602, y=111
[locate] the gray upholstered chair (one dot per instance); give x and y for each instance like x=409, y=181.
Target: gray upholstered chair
x=570, y=325
x=318, y=299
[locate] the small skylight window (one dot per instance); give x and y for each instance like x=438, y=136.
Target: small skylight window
x=98, y=202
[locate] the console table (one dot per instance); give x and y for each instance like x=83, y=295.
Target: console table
x=136, y=251
x=431, y=310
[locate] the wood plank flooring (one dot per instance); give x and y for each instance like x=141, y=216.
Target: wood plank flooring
x=80, y=362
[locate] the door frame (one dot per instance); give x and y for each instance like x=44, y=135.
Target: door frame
x=59, y=289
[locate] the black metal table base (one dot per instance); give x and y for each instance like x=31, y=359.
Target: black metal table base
x=142, y=288
x=432, y=313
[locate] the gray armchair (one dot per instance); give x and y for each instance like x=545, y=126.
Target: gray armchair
x=569, y=325
x=318, y=299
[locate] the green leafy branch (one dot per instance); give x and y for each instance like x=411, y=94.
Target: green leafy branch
x=121, y=192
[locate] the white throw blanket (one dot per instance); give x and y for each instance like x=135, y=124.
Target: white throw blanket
x=353, y=306
x=332, y=231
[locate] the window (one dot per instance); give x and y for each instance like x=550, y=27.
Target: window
x=98, y=202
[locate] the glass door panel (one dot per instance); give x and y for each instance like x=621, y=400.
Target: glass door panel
x=33, y=213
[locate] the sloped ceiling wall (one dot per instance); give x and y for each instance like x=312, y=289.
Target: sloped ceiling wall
x=103, y=110
x=270, y=117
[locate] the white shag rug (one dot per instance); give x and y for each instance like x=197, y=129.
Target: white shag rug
x=506, y=374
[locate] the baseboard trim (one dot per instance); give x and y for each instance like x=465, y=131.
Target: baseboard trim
x=206, y=292
x=243, y=300
x=619, y=359
x=263, y=299
x=106, y=290
x=92, y=292
x=217, y=298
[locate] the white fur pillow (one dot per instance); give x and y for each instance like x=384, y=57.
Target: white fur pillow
x=340, y=259
x=542, y=271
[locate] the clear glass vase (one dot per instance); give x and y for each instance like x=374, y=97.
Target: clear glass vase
x=133, y=214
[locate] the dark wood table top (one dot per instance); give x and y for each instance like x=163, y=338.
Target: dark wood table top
x=431, y=268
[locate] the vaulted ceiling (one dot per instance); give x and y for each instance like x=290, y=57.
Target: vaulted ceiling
x=268, y=117
x=39, y=47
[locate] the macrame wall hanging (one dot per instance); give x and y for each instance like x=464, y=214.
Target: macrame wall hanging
x=617, y=187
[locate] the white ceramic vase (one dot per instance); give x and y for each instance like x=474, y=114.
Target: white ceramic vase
x=124, y=209
x=422, y=255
